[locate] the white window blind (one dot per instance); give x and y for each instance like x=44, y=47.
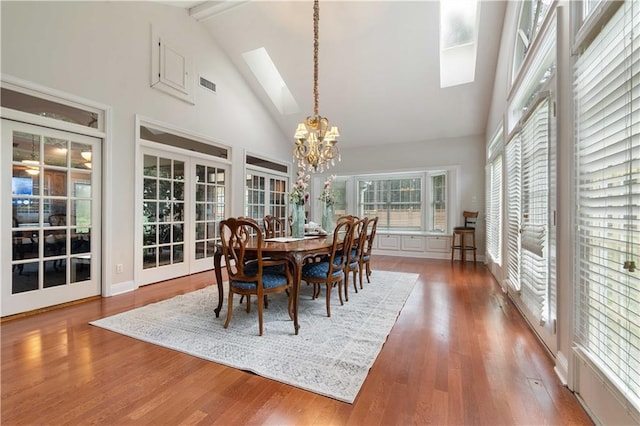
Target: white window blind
x=534, y=269
x=494, y=209
x=607, y=152
x=513, y=212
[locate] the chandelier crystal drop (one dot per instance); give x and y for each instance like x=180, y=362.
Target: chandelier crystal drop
x=316, y=143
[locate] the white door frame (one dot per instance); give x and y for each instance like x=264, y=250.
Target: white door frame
x=104, y=132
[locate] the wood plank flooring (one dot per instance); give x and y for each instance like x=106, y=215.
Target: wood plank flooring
x=459, y=354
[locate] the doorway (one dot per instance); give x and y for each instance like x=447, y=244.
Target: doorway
x=51, y=216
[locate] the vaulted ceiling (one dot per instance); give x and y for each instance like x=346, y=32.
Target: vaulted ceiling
x=379, y=72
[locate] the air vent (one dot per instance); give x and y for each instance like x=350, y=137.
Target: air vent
x=209, y=85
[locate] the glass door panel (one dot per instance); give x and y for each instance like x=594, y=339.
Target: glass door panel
x=210, y=207
x=163, y=211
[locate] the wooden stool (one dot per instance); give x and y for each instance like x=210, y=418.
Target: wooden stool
x=469, y=229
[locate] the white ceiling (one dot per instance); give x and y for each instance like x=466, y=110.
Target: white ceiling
x=379, y=64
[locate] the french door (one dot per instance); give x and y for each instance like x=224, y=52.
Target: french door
x=182, y=201
x=50, y=217
x=530, y=228
x=265, y=193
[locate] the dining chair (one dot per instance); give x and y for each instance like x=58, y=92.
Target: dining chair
x=330, y=271
x=365, y=260
x=353, y=264
x=273, y=227
x=253, y=275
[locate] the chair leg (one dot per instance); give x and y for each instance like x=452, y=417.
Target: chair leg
x=360, y=268
x=329, y=286
x=346, y=286
x=368, y=264
x=229, y=310
x=355, y=286
x=260, y=310
x=248, y=303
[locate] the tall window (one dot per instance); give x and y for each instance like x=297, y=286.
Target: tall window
x=513, y=155
x=493, y=191
x=607, y=153
x=438, y=210
x=494, y=209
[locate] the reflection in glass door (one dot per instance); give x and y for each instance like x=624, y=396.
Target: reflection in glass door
x=54, y=229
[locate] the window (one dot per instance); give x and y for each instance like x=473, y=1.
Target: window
x=438, y=211
x=397, y=202
x=494, y=205
x=532, y=15
x=513, y=212
x=537, y=75
x=406, y=201
x=607, y=165
x=458, y=41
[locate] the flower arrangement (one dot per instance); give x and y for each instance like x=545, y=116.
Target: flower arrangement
x=299, y=195
x=327, y=196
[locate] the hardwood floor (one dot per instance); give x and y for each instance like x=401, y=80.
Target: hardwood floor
x=459, y=353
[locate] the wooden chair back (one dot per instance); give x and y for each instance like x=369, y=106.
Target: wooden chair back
x=273, y=227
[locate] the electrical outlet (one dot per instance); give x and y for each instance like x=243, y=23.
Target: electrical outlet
x=119, y=268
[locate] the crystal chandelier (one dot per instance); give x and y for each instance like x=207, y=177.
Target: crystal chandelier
x=316, y=144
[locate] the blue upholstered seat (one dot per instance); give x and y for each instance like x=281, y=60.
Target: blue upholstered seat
x=321, y=269
x=269, y=280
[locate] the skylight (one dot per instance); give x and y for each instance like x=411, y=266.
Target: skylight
x=268, y=76
x=458, y=41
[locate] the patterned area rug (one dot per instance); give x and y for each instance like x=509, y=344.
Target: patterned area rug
x=329, y=356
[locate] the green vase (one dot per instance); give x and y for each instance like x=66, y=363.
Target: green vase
x=297, y=221
x=327, y=217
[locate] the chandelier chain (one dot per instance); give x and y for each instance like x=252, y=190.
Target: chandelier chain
x=316, y=48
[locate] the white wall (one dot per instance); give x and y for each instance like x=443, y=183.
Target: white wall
x=467, y=153
x=101, y=51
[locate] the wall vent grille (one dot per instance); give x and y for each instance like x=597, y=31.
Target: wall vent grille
x=209, y=85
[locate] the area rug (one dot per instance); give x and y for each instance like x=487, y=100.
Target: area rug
x=330, y=356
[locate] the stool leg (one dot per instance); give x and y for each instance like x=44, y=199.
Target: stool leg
x=464, y=247
x=453, y=243
x=473, y=238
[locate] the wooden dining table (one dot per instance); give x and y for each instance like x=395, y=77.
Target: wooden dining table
x=296, y=251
